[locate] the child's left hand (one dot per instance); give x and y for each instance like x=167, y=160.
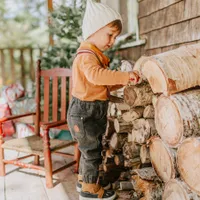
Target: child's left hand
x=134, y=77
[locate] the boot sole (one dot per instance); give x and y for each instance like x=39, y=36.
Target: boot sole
x=87, y=198
x=78, y=189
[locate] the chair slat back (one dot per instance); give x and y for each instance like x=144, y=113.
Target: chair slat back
x=55, y=93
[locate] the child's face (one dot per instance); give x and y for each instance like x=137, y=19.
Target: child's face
x=104, y=38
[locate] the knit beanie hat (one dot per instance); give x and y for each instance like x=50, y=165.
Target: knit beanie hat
x=97, y=15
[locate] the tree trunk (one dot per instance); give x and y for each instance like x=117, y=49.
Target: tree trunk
x=162, y=159
x=178, y=116
x=173, y=71
x=176, y=189
x=188, y=162
x=138, y=95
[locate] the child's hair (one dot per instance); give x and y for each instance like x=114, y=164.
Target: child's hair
x=117, y=24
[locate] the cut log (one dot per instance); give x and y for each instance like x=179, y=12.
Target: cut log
x=145, y=154
x=131, y=150
x=132, y=163
x=188, y=162
x=138, y=95
x=149, y=112
x=147, y=173
x=122, y=106
x=133, y=114
x=121, y=126
x=117, y=141
x=115, y=99
x=173, y=71
x=176, y=189
x=149, y=190
x=162, y=159
x=126, y=185
x=154, y=100
x=138, y=65
x=142, y=130
x=109, y=129
x=119, y=159
x=178, y=116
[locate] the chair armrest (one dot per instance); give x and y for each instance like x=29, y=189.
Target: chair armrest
x=4, y=119
x=49, y=125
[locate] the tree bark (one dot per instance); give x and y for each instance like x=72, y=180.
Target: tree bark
x=121, y=126
x=178, y=116
x=117, y=141
x=145, y=154
x=173, y=71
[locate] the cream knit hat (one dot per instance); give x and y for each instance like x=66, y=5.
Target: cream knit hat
x=97, y=15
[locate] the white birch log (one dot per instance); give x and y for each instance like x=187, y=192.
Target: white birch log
x=188, y=163
x=175, y=189
x=173, y=71
x=162, y=159
x=178, y=116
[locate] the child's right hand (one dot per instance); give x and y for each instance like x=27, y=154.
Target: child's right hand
x=134, y=77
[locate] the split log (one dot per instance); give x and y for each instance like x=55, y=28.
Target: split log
x=117, y=141
x=173, y=71
x=119, y=159
x=178, y=116
x=132, y=163
x=145, y=154
x=149, y=112
x=147, y=173
x=122, y=106
x=188, y=163
x=162, y=159
x=131, y=150
x=138, y=95
x=142, y=130
x=154, y=100
x=121, y=126
x=176, y=189
x=147, y=190
x=126, y=185
x=115, y=99
x=133, y=114
x=109, y=129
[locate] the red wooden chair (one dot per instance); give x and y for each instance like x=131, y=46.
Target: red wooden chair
x=36, y=145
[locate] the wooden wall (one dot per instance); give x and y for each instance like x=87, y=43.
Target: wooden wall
x=166, y=25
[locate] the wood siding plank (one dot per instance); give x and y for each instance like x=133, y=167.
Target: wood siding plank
x=178, y=33
x=148, y=7
x=175, y=13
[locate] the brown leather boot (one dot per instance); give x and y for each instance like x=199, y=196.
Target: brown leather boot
x=96, y=192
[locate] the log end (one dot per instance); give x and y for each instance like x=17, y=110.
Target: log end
x=168, y=121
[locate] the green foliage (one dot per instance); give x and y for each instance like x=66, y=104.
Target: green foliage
x=66, y=28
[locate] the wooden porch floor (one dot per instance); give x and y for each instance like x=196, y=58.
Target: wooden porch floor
x=28, y=184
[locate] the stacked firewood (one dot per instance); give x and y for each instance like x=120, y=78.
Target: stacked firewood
x=157, y=123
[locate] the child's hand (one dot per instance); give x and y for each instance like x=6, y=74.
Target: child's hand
x=134, y=77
